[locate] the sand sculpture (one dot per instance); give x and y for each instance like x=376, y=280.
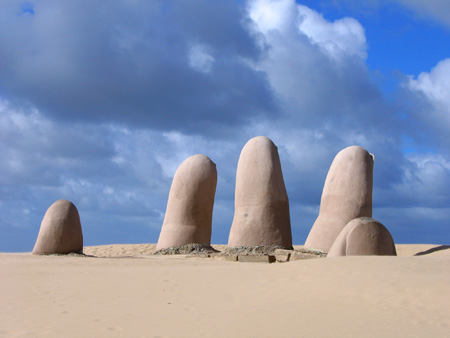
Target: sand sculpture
x=363, y=236
x=347, y=194
x=60, y=231
x=261, y=216
x=189, y=210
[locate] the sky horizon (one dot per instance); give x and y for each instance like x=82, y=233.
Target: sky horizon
x=100, y=105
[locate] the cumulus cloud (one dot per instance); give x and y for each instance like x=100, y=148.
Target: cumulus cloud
x=430, y=91
x=308, y=58
x=343, y=36
x=273, y=15
x=435, y=84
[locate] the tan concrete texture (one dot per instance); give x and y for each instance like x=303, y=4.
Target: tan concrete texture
x=282, y=255
x=363, y=236
x=297, y=256
x=257, y=258
x=188, y=217
x=261, y=215
x=60, y=231
x=225, y=258
x=347, y=194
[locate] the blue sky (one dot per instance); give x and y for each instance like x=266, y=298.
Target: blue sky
x=101, y=104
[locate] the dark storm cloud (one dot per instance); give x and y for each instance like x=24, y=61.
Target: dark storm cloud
x=129, y=62
x=223, y=25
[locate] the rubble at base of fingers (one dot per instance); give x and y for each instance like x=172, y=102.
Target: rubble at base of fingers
x=255, y=254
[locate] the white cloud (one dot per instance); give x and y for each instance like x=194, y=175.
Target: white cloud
x=201, y=59
x=342, y=37
x=315, y=67
x=434, y=86
x=272, y=14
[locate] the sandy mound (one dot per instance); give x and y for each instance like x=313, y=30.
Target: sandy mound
x=120, y=250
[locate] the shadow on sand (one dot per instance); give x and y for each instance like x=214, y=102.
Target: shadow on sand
x=437, y=248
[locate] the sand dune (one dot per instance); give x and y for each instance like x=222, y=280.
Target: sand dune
x=64, y=296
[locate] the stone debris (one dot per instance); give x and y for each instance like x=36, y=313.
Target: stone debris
x=192, y=248
x=306, y=254
x=72, y=254
x=255, y=254
x=282, y=255
x=251, y=250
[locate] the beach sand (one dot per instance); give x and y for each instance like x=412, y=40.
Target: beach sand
x=169, y=296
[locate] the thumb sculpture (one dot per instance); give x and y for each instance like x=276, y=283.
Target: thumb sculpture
x=60, y=231
x=347, y=194
x=189, y=211
x=363, y=236
x=261, y=216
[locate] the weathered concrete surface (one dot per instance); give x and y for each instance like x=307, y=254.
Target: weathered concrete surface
x=226, y=258
x=261, y=216
x=60, y=231
x=363, y=237
x=282, y=255
x=257, y=258
x=347, y=194
x=190, y=205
